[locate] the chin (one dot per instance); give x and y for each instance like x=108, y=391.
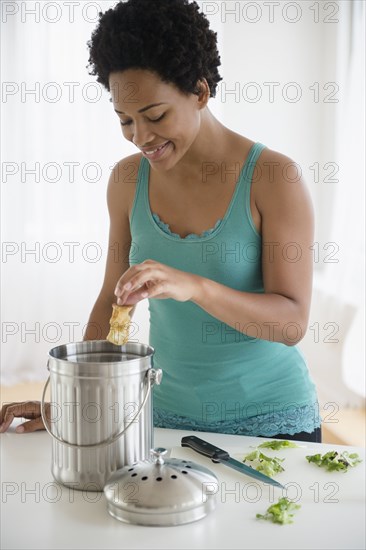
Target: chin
x=165, y=164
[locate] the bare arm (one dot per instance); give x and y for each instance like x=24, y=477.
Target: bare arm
x=120, y=195
x=281, y=313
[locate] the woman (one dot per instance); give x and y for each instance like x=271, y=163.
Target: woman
x=219, y=232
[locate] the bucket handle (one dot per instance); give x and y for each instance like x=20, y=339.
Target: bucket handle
x=153, y=376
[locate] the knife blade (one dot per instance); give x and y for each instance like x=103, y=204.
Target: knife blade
x=219, y=455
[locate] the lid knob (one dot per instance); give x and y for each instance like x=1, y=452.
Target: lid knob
x=157, y=454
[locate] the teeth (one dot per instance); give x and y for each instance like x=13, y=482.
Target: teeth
x=154, y=151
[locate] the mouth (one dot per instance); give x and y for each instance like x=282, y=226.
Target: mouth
x=157, y=152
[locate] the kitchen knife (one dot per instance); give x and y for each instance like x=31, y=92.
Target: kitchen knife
x=219, y=455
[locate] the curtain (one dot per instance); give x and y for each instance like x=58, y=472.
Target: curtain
x=60, y=139
x=344, y=280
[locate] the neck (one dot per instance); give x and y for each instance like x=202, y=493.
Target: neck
x=207, y=146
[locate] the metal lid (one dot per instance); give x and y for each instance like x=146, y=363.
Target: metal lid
x=158, y=492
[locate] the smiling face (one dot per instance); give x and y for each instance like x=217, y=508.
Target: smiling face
x=156, y=116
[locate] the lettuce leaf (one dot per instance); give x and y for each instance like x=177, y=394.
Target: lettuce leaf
x=334, y=461
x=282, y=512
x=277, y=444
x=263, y=463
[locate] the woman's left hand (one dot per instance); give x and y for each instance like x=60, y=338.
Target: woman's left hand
x=152, y=279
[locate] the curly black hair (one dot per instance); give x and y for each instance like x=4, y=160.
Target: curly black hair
x=168, y=37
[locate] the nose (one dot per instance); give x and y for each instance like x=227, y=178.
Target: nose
x=142, y=135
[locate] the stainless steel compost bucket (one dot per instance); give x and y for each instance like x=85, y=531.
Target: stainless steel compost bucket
x=101, y=410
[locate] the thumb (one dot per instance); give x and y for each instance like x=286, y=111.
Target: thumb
x=31, y=426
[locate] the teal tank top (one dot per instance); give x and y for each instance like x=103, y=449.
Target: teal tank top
x=216, y=378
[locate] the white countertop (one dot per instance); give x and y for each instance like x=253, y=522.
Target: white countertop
x=38, y=513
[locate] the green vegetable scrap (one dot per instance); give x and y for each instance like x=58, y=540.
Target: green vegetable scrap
x=265, y=464
x=282, y=512
x=334, y=461
x=278, y=444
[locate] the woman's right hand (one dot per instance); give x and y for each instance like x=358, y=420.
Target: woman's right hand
x=25, y=409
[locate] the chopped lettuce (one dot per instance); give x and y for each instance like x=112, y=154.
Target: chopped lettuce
x=277, y=444
x=265, y=464
x=334, y=461
x=282, y=512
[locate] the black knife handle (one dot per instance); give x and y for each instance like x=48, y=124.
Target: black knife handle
x=204, y=448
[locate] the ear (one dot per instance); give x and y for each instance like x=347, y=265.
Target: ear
x=203, y=92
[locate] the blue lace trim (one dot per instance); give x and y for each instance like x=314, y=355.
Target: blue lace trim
x=165, y=227
x=302, y=419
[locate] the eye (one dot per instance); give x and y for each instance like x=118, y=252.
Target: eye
x=156, y=120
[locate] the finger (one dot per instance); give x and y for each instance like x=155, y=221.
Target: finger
x=9, y=406
x=31, y=426
x=8, y=419
x=128, y=280
x=125, y=280
x=132, y=298
x=120, y=286
x=3, y=412
x=157, y=290
x=146, y=277
x=27, y=409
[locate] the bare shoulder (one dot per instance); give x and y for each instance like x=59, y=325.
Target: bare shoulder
x=122, y=183
x=279, y=167
x=279, y=181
